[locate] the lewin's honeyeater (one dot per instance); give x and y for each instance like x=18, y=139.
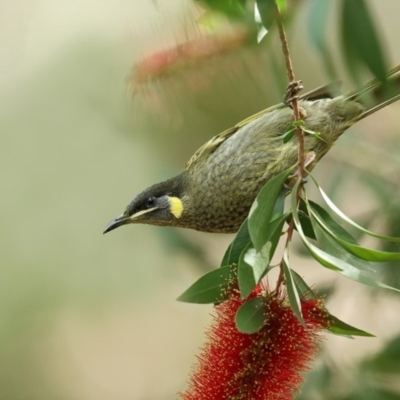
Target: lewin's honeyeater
x=220, y=182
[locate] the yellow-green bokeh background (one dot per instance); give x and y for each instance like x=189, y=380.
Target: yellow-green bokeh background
x=87, y=316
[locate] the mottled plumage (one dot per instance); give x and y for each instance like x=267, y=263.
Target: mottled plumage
x=223, y=177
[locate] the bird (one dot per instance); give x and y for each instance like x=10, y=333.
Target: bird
x=215, y=191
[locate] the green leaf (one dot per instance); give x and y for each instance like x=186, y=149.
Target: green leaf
x=288, y=135
x=319, y=11
x=231, y=8
x=250, y=317
x=246, y=277
x=253, y=264
x=342, y=266
x=360, y=40
x=362, y=253
x=212, y=287
x=318, y=26
x=328, y=260
x=291, y=289
x=276, y=233
x=285, y=137
x=334, y=227
x=330, y=244
x=305, y=291
x=241, y=240
x=339, y=327
x=261, y=211
x=267, y=11
x=305, y=220
x=313, y=133
x=340, y=214
x=279, y=206
x=225, y=258
x=281, y=4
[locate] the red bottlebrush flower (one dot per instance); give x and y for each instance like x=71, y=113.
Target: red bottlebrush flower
x=165, y=63
x=203, y=70
x=267, y=365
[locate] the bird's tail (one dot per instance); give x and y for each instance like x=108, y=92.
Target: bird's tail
x=377, y=94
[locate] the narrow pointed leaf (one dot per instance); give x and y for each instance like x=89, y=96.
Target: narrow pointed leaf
x=318, y=27
x=330, y=244
x=252, y=267
x=241, y=240
x=281, y=5
x=292, y=293
x=278, y=206
x=246, y=277
x=360, y=40
x=253, y=264
x=343, y=267
x=304, y=290
x=231, y=8
x=267, y=11
x=262, y=209
x=330, y=261
x=272, y=244
x=288, y=135
x=334, y=227
x=362, y=253
x=339, y=327
x=343, y=216
x=319, y=11
x=225, y=258
x=250, y=317
x=305, y=220
x=212, y=287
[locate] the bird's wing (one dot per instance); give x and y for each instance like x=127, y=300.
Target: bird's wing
x=209, y=147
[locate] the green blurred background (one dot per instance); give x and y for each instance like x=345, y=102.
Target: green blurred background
x=87, y=316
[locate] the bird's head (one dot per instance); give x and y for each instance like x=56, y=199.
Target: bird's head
x=160, y=204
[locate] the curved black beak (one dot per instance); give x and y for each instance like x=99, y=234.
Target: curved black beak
x=117, y=222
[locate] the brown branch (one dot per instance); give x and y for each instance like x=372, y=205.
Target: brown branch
x=292, y=84
x=293, y=89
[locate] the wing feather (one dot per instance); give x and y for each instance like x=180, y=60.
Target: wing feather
x=209, y=147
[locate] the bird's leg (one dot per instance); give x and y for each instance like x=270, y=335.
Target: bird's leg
x=292, y=91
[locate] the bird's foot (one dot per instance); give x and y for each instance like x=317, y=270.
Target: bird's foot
x=292, y=91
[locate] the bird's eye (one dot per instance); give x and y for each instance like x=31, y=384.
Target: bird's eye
x=150, y=202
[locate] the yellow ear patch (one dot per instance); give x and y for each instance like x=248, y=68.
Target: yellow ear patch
x=175, y=206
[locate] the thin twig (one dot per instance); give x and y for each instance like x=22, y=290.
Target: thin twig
x=297, y=117
x=292, y=81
